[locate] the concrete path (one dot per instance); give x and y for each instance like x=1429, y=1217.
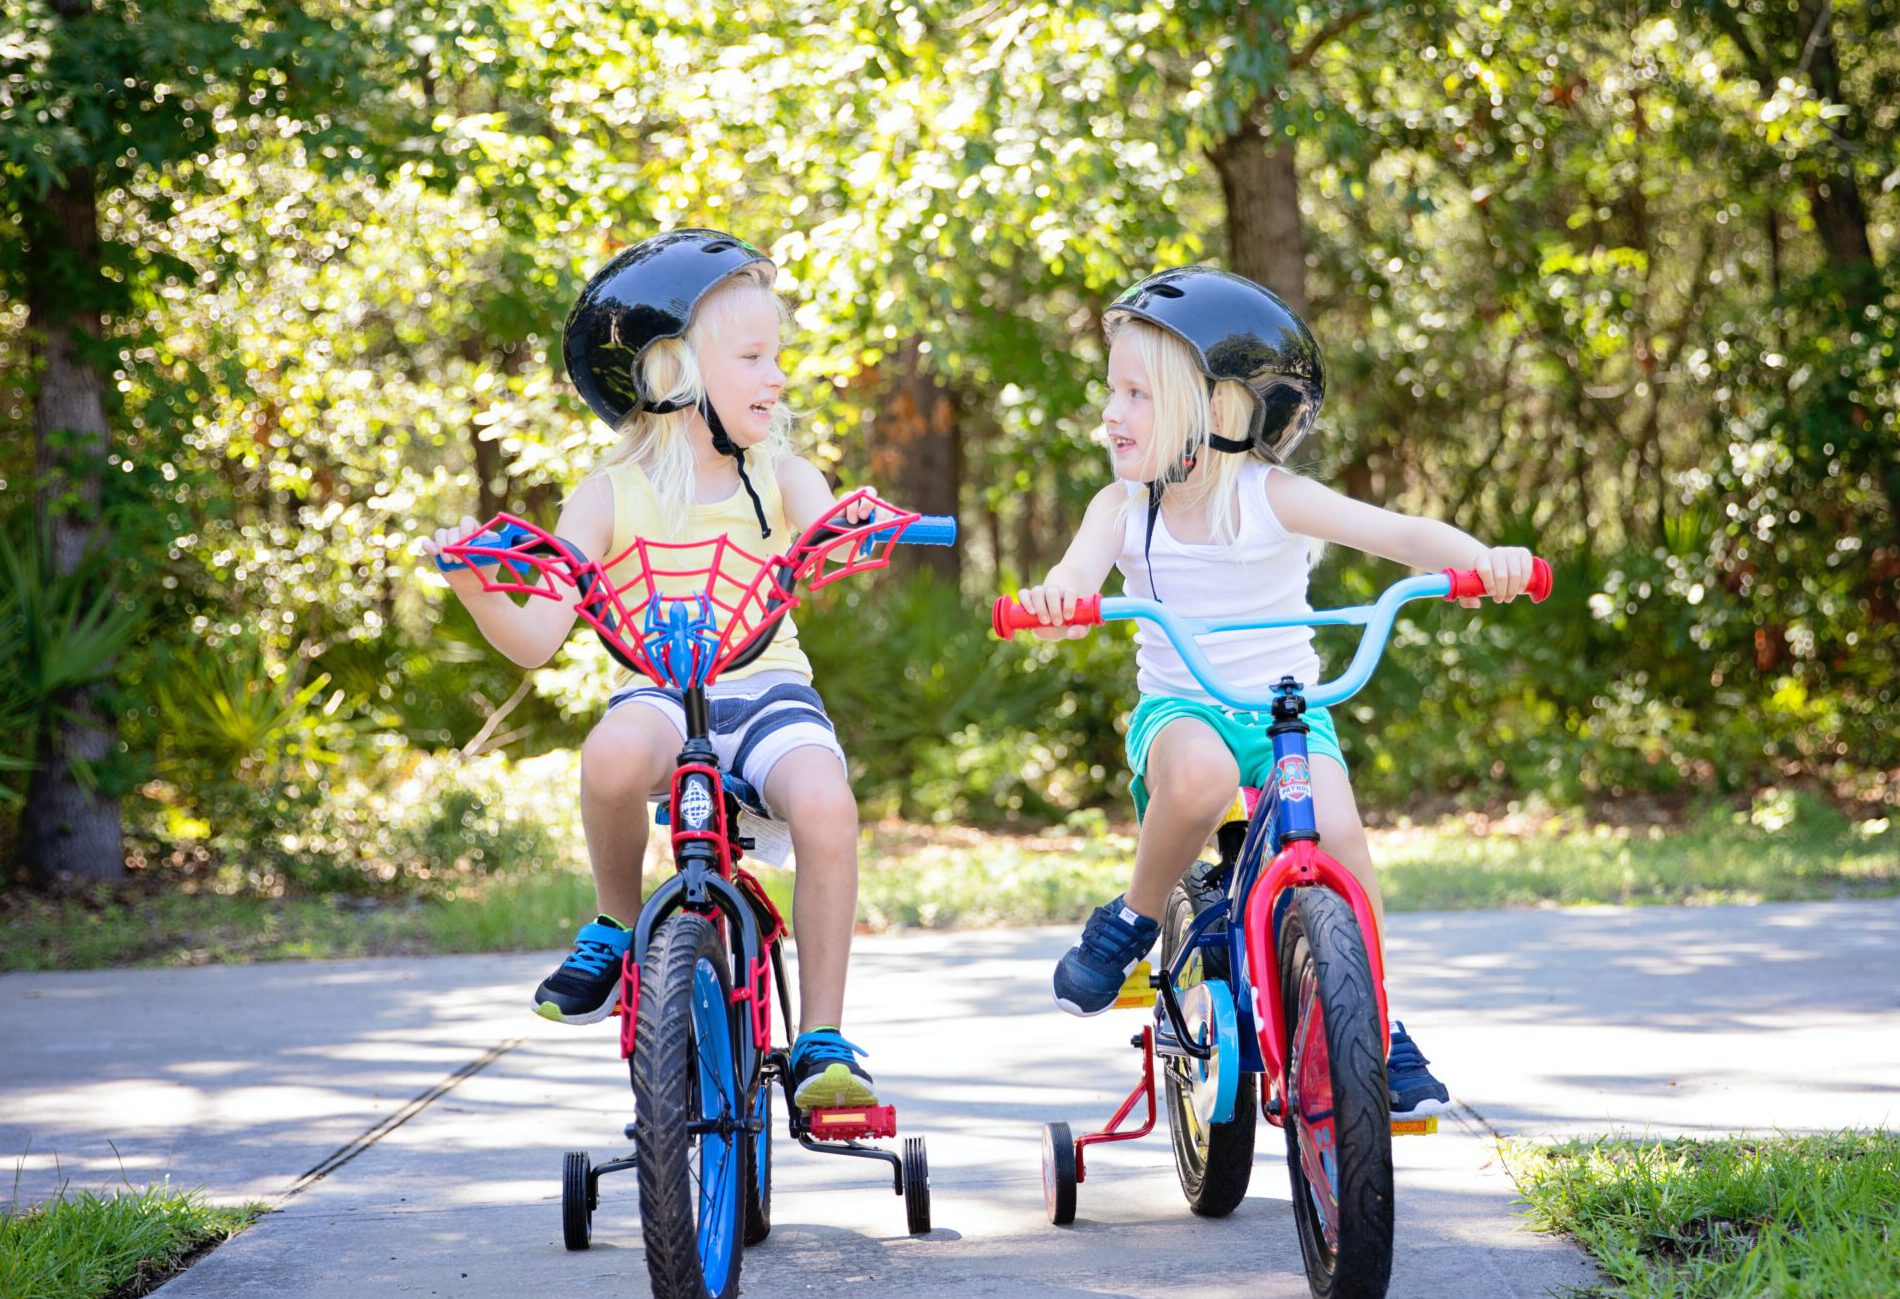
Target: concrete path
x=408, y=1116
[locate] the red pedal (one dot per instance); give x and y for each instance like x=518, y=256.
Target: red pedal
x=848, y=1123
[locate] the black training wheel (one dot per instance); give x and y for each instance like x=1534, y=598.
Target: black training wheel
x=577, y=1213
x=1058, y=1173
x=916, y=1186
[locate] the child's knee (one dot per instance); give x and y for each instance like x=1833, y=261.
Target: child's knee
x=817, y=795
x=1195, y=778
x=619, y=762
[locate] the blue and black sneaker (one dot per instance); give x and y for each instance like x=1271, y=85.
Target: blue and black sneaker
x=583, y=990
x=1090, y=976
x=1413, y=1091
x=825, y=1072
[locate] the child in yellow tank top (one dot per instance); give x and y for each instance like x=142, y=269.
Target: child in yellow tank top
x=692, y=327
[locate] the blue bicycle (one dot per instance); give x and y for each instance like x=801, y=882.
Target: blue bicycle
x=698, y=982
x=1266, y=971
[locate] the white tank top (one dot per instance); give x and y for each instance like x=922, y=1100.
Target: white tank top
x=1260, y=574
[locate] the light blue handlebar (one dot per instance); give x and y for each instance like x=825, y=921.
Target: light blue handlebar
x=1376, y=618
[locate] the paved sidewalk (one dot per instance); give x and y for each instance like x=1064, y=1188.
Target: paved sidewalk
x=439, y=1107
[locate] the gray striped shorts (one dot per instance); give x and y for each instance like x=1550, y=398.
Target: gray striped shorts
x=756, y=720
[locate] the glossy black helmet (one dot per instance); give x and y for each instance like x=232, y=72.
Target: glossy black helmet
x=646, y=293
x=1238, y=330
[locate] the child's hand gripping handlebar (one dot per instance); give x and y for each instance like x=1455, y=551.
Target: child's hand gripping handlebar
x=1008, y=617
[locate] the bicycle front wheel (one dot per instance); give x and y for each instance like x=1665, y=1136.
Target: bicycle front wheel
x=1338, y=1117
x=690, y=1107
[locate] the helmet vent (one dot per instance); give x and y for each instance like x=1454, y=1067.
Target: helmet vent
x=1166, y=291
x=720, y=247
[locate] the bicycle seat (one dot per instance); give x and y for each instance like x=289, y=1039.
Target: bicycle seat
x=1241, y=809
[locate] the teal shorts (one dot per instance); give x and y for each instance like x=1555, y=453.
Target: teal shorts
x=1245, y=735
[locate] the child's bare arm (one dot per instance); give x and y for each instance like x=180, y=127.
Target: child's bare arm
x=529, y=633
x=1084, y=566
x=806, y=494
x=1316, y=510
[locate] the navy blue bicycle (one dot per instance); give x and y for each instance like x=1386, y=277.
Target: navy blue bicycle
x=1266, y=971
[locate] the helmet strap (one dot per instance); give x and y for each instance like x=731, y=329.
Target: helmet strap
x=725, y=446
x=1148, y=541
x=1233, y=446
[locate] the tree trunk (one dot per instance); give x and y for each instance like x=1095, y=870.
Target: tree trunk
x=68, y=827
x=916, y=453
x=1266, y=240
x=1840, y=214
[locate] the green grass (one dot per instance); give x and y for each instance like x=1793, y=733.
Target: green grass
x=1723, y=1219
x=85, y=1246
x=1782, y=849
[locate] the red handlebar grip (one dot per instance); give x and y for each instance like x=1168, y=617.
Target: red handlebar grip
x=1007, y=617
x=1465, y=583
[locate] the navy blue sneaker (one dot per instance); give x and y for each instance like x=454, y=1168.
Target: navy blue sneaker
x=1410, y=1085
x=1090, y=976
x=583, y=990
x=825, y=1072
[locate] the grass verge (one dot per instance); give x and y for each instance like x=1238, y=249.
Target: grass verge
x=86, y=1246
x=1781, y=849
x=1711, y=1219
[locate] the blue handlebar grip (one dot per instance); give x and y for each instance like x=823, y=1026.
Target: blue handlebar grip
x=931, y=530
x=927, y=530
x=508, y=535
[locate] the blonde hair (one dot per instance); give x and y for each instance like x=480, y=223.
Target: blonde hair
x=1184, y=414
x=669, y=371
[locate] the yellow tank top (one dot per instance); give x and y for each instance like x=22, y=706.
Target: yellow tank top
x=637, y=513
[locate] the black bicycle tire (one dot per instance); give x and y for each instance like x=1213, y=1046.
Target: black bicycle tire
x=1214, y=1182
x=577, y=1216
x=664, y=1071
x=758, y=1182
x=1320, y=928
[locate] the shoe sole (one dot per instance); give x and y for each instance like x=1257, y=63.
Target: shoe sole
x=837, y=1086
x=554, y=1014
x=1424, y=1109
x=1080, y=1013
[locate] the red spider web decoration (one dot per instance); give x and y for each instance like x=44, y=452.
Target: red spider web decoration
x=745, y=594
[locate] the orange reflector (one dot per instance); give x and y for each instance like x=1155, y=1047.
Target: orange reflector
x=1424, y=1127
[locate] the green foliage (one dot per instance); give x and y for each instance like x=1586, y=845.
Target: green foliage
x=944, y=720
x=57, y=634
x=1615, y=284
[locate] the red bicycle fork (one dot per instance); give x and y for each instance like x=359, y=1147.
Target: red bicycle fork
x=1299, y=865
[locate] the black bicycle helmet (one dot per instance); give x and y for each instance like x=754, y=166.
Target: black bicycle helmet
x=1238, y=330
x=646, y=293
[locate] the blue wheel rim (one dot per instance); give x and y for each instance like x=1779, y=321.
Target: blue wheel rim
x=718, y=1155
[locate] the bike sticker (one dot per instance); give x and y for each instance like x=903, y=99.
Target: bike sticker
x=1296, y=778
x=696, y=804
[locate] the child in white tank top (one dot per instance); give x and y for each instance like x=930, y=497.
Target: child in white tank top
x=1212, y=381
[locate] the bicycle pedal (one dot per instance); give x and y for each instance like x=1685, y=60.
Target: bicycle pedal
x=850, y=1122
x=1419, y=1127
x=1138, y=989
